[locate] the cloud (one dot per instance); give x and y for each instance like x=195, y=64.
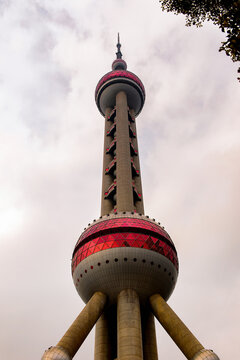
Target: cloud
x=51, y=140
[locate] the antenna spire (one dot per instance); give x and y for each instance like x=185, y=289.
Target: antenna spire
x=118, y=53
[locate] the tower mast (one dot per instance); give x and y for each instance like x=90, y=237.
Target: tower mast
x=124, y=264
x=121, y=183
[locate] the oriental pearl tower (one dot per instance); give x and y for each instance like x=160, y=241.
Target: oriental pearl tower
x=124, y=264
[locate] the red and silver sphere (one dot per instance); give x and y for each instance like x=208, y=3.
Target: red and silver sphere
x=122, y=251
x=119, y=79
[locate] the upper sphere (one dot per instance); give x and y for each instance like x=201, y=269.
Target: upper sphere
x=119, y=64
x=114, y=82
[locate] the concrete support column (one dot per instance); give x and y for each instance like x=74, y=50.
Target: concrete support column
x=106, y=205
x=178, y=331
x=83, y=324
x=124, y=170
x=102, y=339
x=149, y=336
x=129, y=326
x=137, y=179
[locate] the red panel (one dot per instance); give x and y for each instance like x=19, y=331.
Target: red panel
x=123, y=223
x=130, y=242
x=119, y=73
x=124, y=233
x=139, y=243
x=114, y=244
x=120, y=242
x=89, y=252
x=100, y=240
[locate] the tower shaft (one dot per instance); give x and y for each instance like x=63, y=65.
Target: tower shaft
x=124, y=200
x=121, y=183
x=107, y=180
x=137, y=180
x=124, y=264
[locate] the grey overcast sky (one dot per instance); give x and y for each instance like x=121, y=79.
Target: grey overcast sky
x=51, y=138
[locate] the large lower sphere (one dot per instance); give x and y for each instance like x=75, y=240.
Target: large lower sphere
x=124, y=251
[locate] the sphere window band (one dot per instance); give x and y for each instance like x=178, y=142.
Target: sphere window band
x=124, y=232
x=122, y=222
x=116, y=240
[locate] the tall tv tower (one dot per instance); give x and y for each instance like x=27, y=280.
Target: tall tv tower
x=124, y=265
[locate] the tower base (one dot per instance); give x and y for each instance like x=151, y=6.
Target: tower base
x=56, y=353
x=205, y=355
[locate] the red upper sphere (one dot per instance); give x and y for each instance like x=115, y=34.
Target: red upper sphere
x=119, y=80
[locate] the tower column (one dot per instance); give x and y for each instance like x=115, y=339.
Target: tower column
x=174, y=326
x=129, y=326
x=138, y=181
x=124, y=170
x=149, y=336
x=71, y=341
x=102, y=339
x=106, y=205
x=83, y=324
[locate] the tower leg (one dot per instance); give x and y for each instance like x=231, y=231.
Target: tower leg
x=78, y=331
x=129, y=326
x=102, y=339
x=178, y=331
x=149, y=336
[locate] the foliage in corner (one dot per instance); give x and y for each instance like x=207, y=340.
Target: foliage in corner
x=224, y=13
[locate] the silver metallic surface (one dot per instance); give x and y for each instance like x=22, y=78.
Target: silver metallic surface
x=205, y=355
x=56, y=353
